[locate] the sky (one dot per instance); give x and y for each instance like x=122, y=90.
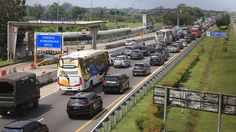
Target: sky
x=229, y=5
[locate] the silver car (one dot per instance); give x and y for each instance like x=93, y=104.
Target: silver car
x=121, y=61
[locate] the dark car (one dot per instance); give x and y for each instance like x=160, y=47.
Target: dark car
x=156, y=60
x=84, y=104
x=145, y=50
x=164, y=51
x=141, y=69
x=136, y=54
x=152, y=47
x=116, y=82
x=25, y=126
x=159, y=53
x=188, y=39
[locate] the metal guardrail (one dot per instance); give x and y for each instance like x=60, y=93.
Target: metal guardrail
x=113, y=117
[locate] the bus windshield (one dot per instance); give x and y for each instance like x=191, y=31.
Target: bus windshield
x=69, y=63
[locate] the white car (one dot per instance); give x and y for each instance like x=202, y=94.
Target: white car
x=112, y=57
x=121, y=61
x=130, y=42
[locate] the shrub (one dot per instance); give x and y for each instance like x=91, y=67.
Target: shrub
x=140, y=123
x=168, y=83
x=148, y=121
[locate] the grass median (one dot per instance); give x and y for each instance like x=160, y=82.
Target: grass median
x=214, y=72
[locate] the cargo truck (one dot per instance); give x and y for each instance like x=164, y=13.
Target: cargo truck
x=17, y=91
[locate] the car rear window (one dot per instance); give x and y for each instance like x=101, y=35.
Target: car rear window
x=111, y=78
x=12, y=130
x=6, y=88
x=137, y=66
x=78, y=100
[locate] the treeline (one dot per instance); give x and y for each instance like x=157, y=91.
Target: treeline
x=186, y=14
x=10, y=10
x=67, y=11
x=223, y=20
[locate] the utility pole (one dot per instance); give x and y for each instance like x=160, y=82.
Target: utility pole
x=178, y=17
x=58, y=8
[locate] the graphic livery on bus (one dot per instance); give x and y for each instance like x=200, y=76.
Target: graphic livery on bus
x=82, y=70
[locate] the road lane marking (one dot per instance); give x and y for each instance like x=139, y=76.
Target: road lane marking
x=41, y=119
x=128, y=92
x=48, y=94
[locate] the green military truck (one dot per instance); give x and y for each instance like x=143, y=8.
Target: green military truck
x=17, y=91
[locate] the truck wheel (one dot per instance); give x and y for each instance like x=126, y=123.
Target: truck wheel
x=36, y=104
x=19, y=111
x=3, y=113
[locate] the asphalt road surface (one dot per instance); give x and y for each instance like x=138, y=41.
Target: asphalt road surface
x=52, y=105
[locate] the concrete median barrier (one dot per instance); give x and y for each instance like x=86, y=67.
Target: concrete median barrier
x=47, y=78
x=115, y=45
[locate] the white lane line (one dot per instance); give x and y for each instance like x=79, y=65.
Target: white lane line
x=41, y=119
x=48, y=94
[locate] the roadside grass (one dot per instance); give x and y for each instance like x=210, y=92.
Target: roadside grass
x=127, y=124
x=112, y=25
x=214, y=72
x=221, y=79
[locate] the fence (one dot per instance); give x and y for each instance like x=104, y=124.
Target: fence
x=113, y=117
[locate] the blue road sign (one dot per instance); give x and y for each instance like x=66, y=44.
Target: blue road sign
x=49, y=41
x=217, y=34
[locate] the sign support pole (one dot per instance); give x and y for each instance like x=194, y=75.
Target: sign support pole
x=219, y=113
x=165, y=108
x=35, y=50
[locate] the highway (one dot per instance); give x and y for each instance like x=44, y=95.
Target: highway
x=52, y=108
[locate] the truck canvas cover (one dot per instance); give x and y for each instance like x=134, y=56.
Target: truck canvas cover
x=18, y=87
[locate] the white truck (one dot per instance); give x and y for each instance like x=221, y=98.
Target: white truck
x=164, y=36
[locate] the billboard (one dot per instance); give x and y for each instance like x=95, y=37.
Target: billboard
x=49, y=43
x=197, y=100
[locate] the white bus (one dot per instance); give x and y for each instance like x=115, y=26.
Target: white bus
x=81, y=70
x=164, y=36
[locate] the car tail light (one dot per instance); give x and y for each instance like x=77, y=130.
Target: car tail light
x=70, y=103
x=117, y=83
x=59, y=83
x=86, y=105
x=104, y=82
x=80, y=82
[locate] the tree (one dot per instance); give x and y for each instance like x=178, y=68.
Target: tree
x=35, y=11
x=224, y=20
x=11, y=10
x=51, y=12
x=66, y=6
x=75, y=12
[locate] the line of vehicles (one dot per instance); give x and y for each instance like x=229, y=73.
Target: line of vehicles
x=80, y=71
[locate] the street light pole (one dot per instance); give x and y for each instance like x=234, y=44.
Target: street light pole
x=91, y=4
x=58, y=8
